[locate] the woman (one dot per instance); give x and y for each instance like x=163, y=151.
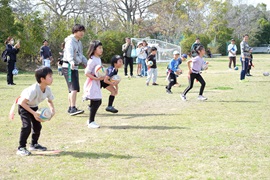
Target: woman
x=12, y=52
x=146, y=49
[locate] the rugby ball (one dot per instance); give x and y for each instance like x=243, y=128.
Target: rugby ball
x=236, y=68
x=178, y=72
x=204, y=66
x=100, y=71
x=15, y=71
x=266, y=73
x=45, y=114
x=116, y=78
x=150, y=63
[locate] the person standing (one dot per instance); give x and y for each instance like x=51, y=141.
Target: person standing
x=146, y=50
x=232, y=48
x=245, y=56
x=73, y=56
x=194, y=47
x=46, y=54
x=128, y=60
x=152, y=69
x=12, y=52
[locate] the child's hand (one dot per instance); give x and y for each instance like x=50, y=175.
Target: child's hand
x=100, y=78
x=37, y=117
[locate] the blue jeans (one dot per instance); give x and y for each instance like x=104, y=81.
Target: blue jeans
x=144, y=68
x=244, y=68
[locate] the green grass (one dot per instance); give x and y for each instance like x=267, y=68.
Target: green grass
x=154, y=135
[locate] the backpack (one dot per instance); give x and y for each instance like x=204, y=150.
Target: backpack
x=4, y=55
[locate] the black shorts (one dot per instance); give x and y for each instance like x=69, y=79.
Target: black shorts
x=74, y=84
x=103, y=84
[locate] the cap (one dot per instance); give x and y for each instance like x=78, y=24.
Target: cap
x=176, y=52
x=139, y=43
x=184, y=56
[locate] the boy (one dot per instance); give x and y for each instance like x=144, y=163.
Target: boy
x=152, y=70
x=173, y=70
x=112, y=86
x=28, y=105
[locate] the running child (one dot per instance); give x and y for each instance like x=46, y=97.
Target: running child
x=112, y=86
x=92, y=89
x=152, y=70
x=194, y=73
x=173, y=70
x=28, y=105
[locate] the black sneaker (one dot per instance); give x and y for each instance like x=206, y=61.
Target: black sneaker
x=23, y=152
x=155, y=84
x=75, y=111
x=37, y=147
x=168, y=91
x=111, y=109
x=69, y=108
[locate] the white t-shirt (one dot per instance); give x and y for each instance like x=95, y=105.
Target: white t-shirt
x=34, y=95
x=92, y=87
x=141, y=53
x=232, y=48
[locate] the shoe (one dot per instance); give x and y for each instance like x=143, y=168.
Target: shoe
x=248, y=75
x=202, y=98
x=168, y=91
x=37, y=147
x=147, y=84
x=183, y=97
x=111, y=109
x=243, y=80
x=23, y=152
x=11, y=84
x=93, y=125
x=69, y=108
x=155, y=84
x=75, y=111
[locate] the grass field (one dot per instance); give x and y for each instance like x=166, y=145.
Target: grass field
x=155, y=135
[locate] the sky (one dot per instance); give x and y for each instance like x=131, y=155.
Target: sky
x=255, y=2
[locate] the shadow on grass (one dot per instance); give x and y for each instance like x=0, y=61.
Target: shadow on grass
x=237, y=101
x=90, y=155
x=145, y=127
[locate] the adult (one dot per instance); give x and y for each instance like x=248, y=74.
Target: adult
x=128, y=60
x=12, y=52
x=73, y=56
x=232, y=48
x=245, y=56
x=194, y=46
x=146, y=50
x=46, y=54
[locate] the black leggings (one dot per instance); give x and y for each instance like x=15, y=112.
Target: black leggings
x=94, y=105
x=194, y=76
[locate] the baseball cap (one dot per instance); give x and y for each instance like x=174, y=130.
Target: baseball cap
x=176, y=52
x=184, y=56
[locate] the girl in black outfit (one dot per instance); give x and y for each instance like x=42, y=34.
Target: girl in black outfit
x=11, y=58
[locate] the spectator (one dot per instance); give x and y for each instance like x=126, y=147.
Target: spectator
x=194, y=47
x=46, y=54
x=245, y=56
x=128, y=60
x=232, y=48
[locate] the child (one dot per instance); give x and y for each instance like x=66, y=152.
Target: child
x=152, y=70
x=173, y=70
x=28, y=105
x=116, y=63
x=92, y=86
x=249, y=65
x=141, y=58
x=194, y=73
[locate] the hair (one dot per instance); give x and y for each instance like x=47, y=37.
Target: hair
x=199, y=48
x=145, y=42
x=153, y=49
x=77, y=27
x=45, y=40
x=42, y=73
x=197, y=38
x=8, y=39
x=114, y=59
x=245, y=35
x=92, y=47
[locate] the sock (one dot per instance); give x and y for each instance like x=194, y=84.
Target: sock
x=111, y=99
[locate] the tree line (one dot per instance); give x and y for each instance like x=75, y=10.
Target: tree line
x=174, y=21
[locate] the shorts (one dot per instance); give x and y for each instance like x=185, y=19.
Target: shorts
x=74, y=84
x=139, y=61
x=103, y=84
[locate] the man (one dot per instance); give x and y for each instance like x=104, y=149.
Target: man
x=46, y=54
x=194, y=46
x=245, y=56
x=232, y=48
x=128, y=60
x=73, y=56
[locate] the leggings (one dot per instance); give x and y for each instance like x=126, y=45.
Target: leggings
x=94, y=105
x=194, y=76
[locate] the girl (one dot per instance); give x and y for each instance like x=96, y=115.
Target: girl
x=194, y=73
x=12, y=52
x=92, y=90
x=141, y=57
x=112, y=86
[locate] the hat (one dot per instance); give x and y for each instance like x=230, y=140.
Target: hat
x=184, y=56
x=176, y=52
x=139, y=43
x=232, y=40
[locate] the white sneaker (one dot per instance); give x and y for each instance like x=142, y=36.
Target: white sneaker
x=93, y=125
x=183, y=97
x=202, y=98
x=23, y=152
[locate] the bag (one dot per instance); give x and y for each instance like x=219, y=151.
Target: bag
x=4, y=56
x=133, y=53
